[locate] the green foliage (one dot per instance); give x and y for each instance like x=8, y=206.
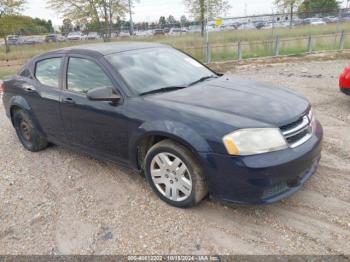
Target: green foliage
x=162, y=22
x=310, y=7
x=8, y=8
x=99, y=12
x=198, y=8
x=202, y=9
x=23, y=25
x=171, y=20
x=67, y=26
x=11, y=7
x=42, y=23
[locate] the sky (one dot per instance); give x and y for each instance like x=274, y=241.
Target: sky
x=151, y=10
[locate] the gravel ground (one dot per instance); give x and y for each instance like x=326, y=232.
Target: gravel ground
x=61, y=202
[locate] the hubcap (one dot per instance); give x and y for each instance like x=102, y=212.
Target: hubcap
x=171, y=177
x=25, y=130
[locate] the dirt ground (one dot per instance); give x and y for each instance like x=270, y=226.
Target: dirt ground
x=61, y=202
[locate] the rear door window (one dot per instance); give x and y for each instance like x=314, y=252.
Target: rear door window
x=47, y=71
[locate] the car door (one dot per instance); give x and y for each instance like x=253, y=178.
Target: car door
x=43, y=94
x=98, y=127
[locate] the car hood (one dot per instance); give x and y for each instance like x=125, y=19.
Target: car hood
x=243, y=98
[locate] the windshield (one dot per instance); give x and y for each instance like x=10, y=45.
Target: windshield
x=153, y=69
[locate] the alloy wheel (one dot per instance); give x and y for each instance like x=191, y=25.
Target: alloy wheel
x=171, y=177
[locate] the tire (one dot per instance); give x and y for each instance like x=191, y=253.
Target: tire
x=174, y=174
x=28, y=133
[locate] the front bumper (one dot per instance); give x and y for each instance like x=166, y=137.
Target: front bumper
x=265, y=178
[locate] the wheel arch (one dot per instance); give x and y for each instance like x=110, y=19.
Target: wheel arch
x=148, y=135
x=19, y=103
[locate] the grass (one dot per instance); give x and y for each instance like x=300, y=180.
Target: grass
x=7, y=71
x=255, y=43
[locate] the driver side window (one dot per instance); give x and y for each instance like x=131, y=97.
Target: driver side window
x=84, y=74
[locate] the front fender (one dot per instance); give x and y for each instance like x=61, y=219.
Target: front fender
x=174, y=130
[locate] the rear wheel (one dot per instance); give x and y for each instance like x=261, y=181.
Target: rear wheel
x=174, y=174
x=27, y=133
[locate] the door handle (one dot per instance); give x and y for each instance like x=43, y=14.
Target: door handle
x=68, y=100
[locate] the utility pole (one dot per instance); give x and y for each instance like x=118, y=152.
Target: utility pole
x=245, y=14
x=131, y=30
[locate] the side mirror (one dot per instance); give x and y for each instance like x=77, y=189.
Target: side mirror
x=103, y=94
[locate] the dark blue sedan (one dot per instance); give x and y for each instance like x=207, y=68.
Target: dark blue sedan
x=152, y=108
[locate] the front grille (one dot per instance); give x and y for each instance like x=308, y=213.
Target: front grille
x=298, y=132
x=275, y=190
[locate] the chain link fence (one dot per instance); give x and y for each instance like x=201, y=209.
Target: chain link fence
x=233, y=38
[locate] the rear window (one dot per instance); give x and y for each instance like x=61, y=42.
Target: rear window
x=47, y=71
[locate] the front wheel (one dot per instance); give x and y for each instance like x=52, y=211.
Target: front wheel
x=174, y=174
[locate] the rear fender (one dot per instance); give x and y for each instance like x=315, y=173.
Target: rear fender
x=19, y=101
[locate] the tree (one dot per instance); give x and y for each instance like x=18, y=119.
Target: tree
x=43, y=23
x=130, y=6
x=8, y=8
x=102, y=12
x=308, y=8
x=183, y=21
x=171, y=20
x=200, y=8
x=162, y=22
x=67, y=26
x=289, y=5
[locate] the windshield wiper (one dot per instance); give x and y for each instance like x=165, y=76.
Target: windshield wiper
x=164, y=89
x=202, y=79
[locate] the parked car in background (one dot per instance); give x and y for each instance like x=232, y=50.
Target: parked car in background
x=15, y=40
x=124, y=34
x=75, y=36
x=175, y=31
x=345, y=18
x=259, y=24
x=151, y=107
x=330, y=19
x=144, y=33
x=158, y=32
x=51, y=38
x=314, y=21
x=92, y=36
x=194, y=29
x=236, y=25
x=344, y=81
x=33, y=40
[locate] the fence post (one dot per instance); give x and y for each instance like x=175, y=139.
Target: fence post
x=239, y=51
x=277, y=46
x=342, y=40
x=310, y=44
x=208, y=58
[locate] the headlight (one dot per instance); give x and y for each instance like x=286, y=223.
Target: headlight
x=312, y=120
x=252, y=141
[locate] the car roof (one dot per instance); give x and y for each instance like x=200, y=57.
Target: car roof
x=102, y=49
